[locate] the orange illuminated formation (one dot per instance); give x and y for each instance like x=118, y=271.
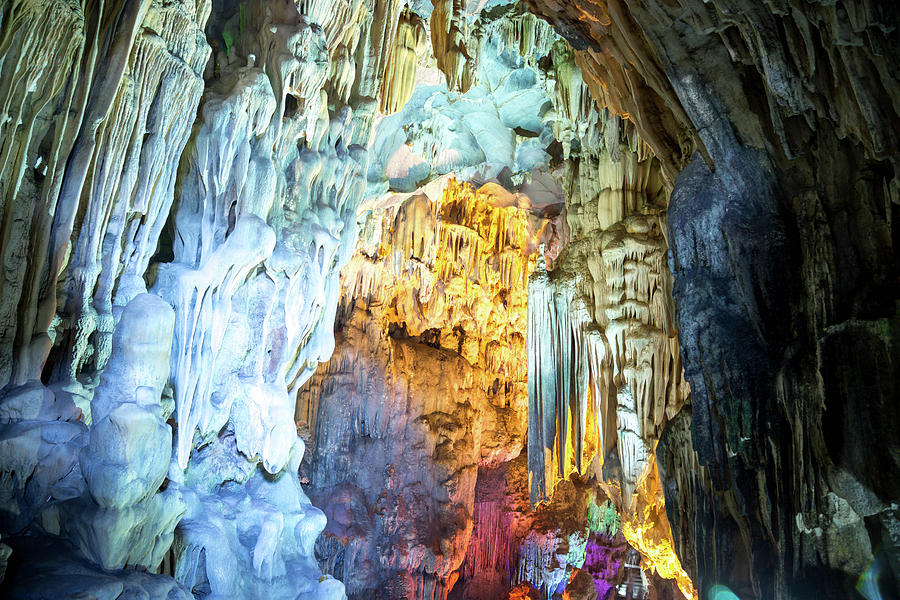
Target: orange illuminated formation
x=647, y=529
x=454, y=268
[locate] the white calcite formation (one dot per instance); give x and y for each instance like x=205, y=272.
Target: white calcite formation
x=268, y=188
x=215, y=156
x=119, y=518
x=498, y=125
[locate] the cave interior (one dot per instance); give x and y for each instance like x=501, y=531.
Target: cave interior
x=449, y=299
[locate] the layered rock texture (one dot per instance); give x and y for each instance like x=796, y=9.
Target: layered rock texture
x=449, y=299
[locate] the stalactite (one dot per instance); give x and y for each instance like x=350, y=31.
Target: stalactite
x=604, y=367
x=566, y=378
x=406, y=52
x=458, y=266
x=493, y=549
x=448, y=40
x=41, y=44
x=576, y=114
x=528, y=35
x=378, y=25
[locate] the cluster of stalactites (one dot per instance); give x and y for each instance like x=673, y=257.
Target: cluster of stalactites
x=41, y=43
x=583, y=124
x=448, y=39
x=359, y=36
x=527, y=35
x=576, y=116
x=407, y=50
x=602, y=190
x=113, y=188
x=603, y=355
x=568, y=393
x=605, y=370
x=493, y=547
x=456, y=269
x=343, y=23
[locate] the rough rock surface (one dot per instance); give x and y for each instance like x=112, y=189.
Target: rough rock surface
x=213, y=153
x=783, y=231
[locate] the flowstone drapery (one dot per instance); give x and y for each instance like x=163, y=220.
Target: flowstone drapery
x=604, y=365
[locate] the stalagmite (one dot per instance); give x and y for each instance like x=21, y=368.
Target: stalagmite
x=120, y=518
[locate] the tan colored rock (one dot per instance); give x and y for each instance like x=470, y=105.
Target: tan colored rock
x=448, y=40
x=604, y=363
x=406, y=52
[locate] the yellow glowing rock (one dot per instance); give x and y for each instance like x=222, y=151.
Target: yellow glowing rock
x=647, y=529
x=451, y=268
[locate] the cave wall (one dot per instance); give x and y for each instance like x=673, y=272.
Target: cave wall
x=782, y=234
x=426, y=385
x=422, y=264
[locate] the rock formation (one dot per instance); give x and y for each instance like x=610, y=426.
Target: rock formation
x=426, y=385
x=791, y=111
x=452, y=299
x=238, y=223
